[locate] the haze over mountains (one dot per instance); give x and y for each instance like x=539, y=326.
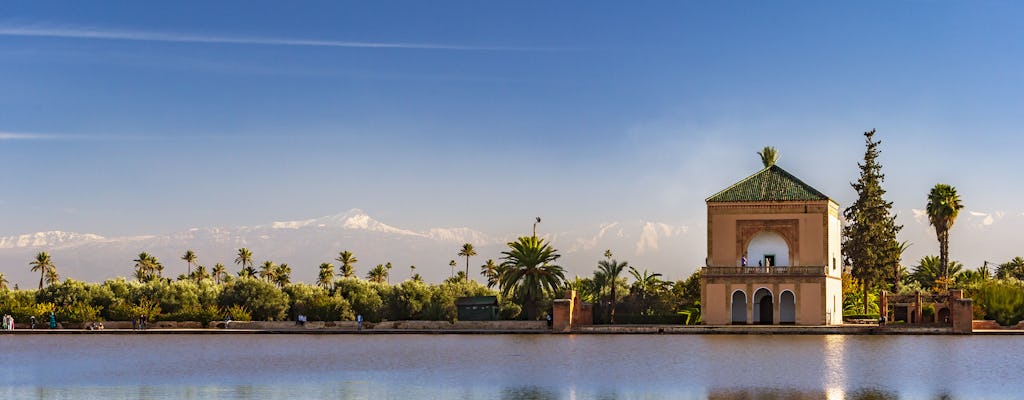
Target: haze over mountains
x=304, y=244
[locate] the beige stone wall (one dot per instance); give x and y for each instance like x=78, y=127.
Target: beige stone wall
x=814, y=220
x=715, y=301
x=835, y=245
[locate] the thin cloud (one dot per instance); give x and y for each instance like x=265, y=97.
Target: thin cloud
x=102, y=34
x=64, y=137
x=27, y=136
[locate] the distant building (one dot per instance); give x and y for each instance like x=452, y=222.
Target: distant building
x=789, y=235
x=477, y=308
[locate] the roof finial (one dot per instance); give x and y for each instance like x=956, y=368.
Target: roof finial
x=768, y=156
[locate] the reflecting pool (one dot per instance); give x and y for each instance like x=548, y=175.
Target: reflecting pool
x=352, y=366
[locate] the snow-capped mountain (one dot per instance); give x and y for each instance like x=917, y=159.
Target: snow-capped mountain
x=304, y=244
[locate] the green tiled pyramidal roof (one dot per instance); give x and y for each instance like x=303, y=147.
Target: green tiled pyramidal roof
x=769, y=184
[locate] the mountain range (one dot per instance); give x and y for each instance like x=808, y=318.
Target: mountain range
x=304, y=244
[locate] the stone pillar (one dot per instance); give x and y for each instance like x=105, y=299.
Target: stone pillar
x=561, y=313
x=883, y=307
x=961, y=312
x=918, y=314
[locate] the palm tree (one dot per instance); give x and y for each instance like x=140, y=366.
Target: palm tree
x=378, y=274
x=52, y=277
x=3, y=282
x=452, y=264
x=535, y=227
x=467, y=251
x=282, y=275
x=43, y=264
x=347, y=260
x=268, y=270
x=145, y=267
x=1013, y=268
x=529, y=273
x=768, y=156
x=645, y=283
x=417, y=278
x=219, y=272
x=412, y=271
x=388, y=267
x=200, y=273
x=326, y=276
x=611, y=269
x=190, y=258
x=943, y=207
x=931, y=274
x=247, y=272
x=492, y=272
x=244, y=259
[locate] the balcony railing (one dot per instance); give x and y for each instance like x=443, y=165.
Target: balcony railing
x=776, y=270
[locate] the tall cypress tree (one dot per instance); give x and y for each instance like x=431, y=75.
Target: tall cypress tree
x=869, y=237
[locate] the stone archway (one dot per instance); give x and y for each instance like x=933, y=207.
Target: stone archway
x=787, y=308
x=739, y=307
x=788, y=229
x=768, y=249
x=764, y=312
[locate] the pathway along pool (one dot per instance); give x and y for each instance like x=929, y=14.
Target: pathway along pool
x=509, y=366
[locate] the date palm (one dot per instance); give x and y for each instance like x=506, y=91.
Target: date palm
x=611, y=269
x=467, y=251
x=268, y=270
x=244, y=259
x=452, y=264
x=190, y=259
x=388, y=268
x=145, y=267
x=219, y=272
x=43, y=264
x=378, y=274
x=645, y=284
x=347, y=260
x=943, y=207
x=326, y=276
x=52, y=277
x=931, y=274
x=529, y=272
x=491, y=272
x=768, y=156
x=282, y=275
x=200, y=273
x=1013, y=268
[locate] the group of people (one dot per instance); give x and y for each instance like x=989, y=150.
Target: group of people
x=139, y=323
x=8, y=322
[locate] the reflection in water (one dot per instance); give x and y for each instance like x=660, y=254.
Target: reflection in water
x=786, y=394
x=529, y=393
x=507, y=367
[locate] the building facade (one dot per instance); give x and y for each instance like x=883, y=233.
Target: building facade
x=773, y=254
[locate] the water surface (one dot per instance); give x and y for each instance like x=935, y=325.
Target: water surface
x=509, y=366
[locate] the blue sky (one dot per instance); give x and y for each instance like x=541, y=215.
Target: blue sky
x=125, y=118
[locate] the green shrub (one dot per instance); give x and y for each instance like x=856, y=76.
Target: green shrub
x=263, y=300
x=77, y=312
x=201, y=314
x=363, y=298
x=1002, y=300
x=237, y=313
x=864, y=316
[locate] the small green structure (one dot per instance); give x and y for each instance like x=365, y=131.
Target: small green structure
x=477, y=308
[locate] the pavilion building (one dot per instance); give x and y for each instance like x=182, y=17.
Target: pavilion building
x=773, y=254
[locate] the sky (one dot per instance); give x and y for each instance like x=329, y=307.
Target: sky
x=129, y=118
